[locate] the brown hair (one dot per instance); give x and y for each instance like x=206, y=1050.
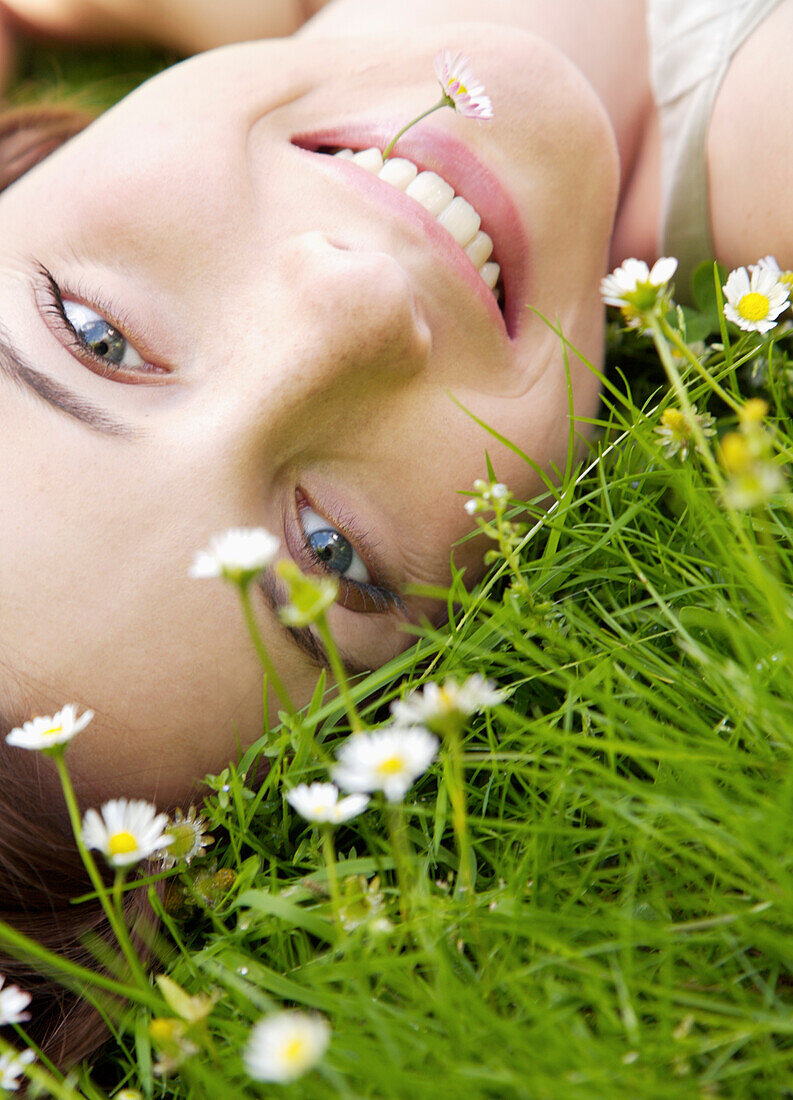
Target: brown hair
x=40, y=868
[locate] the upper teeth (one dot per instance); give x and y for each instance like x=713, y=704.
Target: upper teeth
x=456, y=215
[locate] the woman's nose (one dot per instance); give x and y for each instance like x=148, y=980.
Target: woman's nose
x=355, y=315
x=329, y=323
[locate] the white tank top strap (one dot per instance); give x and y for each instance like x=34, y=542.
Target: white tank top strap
x=691, y=45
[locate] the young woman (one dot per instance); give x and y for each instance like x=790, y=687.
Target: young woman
x=209, y=320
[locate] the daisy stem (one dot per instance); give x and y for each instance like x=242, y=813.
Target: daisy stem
x=333, y=877
x=339, y=675
x=115, y=920
x=686, y=351
x=455, y=781
x=753, y=563
x=661, y=341
x=395, y=818
x=261, y=650
x=445, y=101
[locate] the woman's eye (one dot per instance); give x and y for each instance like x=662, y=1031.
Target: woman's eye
x=330, y=547
x=99, y=336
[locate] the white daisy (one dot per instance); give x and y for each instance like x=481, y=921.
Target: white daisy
x=12, y=1067
x=127, y=832
x=461, y=87
x=285, y=1046
x=190, y=837
x=320, y=802
x=237, y=554
x=676, y=431
x=435, y=703
x=13, y=1002
x=636, y=289
x=769, y=263
x=45, y=733
x=754, y=302
x=387, y=760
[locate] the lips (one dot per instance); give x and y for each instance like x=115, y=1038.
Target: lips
x=435, y=151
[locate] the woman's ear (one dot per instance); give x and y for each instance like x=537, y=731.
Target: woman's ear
x=29, y=134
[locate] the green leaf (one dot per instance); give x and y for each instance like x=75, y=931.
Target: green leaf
x=704, y=290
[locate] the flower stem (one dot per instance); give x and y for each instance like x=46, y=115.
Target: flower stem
x=395, y=819
x=661, y=341
x=339, y=675
x=686, y=351
x=445, y=101
x=115, y=919
x=333, y=877
x=261, y=651
x=455, y=779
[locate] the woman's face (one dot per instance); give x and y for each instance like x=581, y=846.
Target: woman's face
x=302, y=341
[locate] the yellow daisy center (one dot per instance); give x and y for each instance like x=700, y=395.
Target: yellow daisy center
x=675, y=421
x=121, y=843
x=735, y=452
x=295, y=1051
x=184, y=838
x=455, y=87
x=392, y=765
x=52, y=732
x=754, y=306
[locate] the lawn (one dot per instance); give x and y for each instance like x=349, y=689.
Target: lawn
x=589, y=891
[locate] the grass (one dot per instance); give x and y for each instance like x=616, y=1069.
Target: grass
x=630, y=929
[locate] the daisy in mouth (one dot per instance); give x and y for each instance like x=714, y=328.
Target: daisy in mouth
x=466, y=96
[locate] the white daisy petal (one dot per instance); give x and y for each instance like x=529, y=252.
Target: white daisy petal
x=45, y=733
x=12, y=1067
x=320, y=802
x=237, y=554
x=458, y=82
x=663, y=270
x=754, y=301
x=127, y=831
x=283, y=1047
x=435, y=703
x=13, y=1002
x=388, y=760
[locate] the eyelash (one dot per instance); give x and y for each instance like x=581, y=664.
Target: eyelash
x=379, y=598
x=53, y=306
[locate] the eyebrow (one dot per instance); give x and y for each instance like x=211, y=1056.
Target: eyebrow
x=15, y=366
x=304, y=637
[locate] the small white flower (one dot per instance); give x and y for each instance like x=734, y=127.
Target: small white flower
x=676, y=432
x=472, y=506
x=754, y=302
x=13, y=1002
x=12, y=1067
x=45, y=733
x=461, y=87
x=237, y=554
x=435, y=703
x=285, y=1046
x=636, y=289
x=127, y=832
x=388, y=760
x=189, y=835
x=499, y=491
x=320, y=802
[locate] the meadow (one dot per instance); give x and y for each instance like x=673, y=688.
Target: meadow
x=588, y=892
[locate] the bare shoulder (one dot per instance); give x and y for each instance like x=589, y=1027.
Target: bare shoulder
x=187, y=25
x=750, y=148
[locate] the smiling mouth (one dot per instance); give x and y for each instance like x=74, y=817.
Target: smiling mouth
x=457, y=216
